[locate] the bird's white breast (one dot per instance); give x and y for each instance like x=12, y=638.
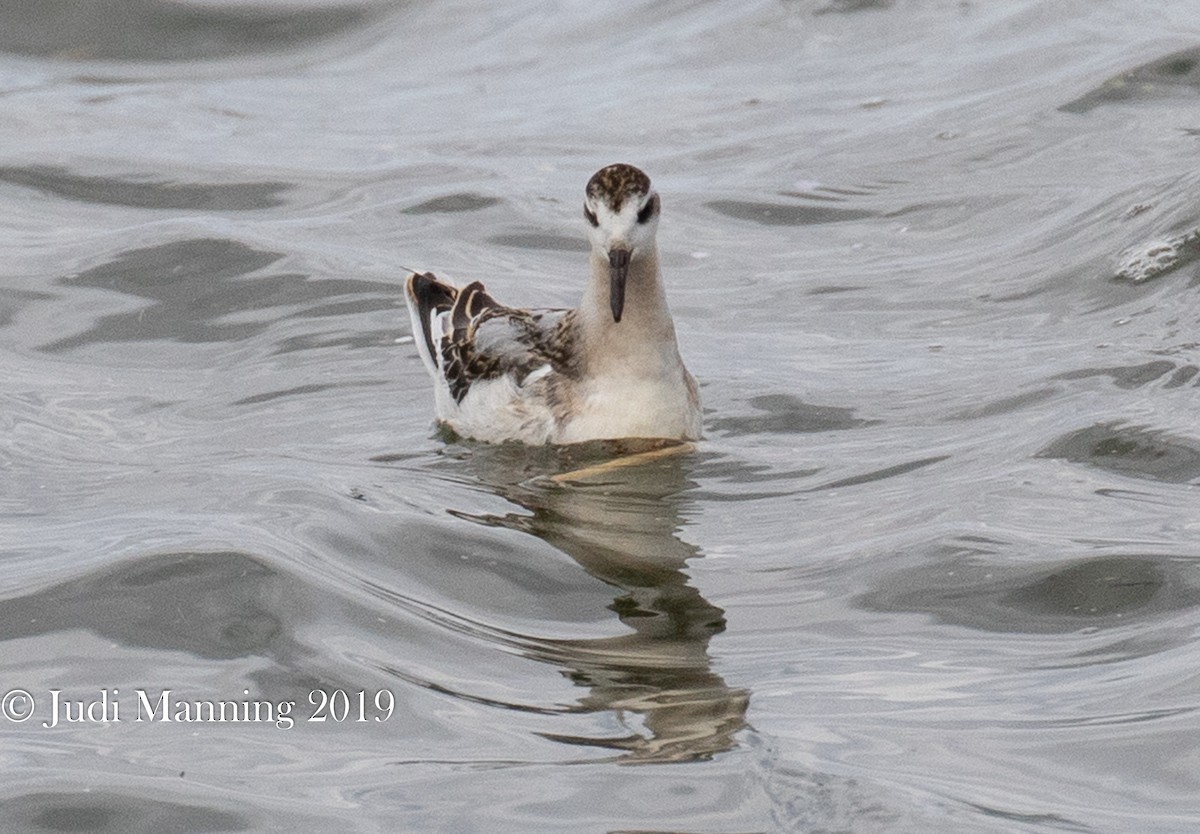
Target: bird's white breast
x=631, y=406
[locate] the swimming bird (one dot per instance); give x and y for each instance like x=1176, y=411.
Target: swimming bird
x=608, y=369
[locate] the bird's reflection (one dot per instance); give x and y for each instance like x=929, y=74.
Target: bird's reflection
x=620, y=525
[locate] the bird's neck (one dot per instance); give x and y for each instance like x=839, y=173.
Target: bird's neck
x=645, y=329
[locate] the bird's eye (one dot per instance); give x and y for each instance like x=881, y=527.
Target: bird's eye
x=591, y=216
x=648, y=210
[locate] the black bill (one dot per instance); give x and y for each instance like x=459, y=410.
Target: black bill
x=618, y=271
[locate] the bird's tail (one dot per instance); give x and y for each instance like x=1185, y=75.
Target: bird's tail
x=429, y=304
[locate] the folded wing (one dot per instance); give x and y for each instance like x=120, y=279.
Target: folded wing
x=465, y=336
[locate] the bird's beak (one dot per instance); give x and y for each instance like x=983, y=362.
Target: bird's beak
x=618, y=271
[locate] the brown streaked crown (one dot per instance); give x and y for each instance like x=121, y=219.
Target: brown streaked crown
x=616, y=183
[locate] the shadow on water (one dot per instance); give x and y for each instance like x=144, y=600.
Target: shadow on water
x=782, y=414
x=540, y=241
x=850, y=6
x=1129, y=377
x=787, y=414
x=1177, y=74
x=785, y=214
x=621, y=527
x=12, y=300
x=145, y=192
x=967, y=586
x=212, y=605
x=149, y=30
x=100, y=812
x=215, y=606
x=1133, y=451
x=453, y=204
x=197, y=285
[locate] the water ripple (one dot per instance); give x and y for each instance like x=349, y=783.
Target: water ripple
x=206, y=290
x=1174, y=75
x=143, y=30
x=1136, y=451
x=146, y=192
x=1092, y=593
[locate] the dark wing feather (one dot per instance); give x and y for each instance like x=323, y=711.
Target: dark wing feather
x=431, y=297
x=472, y=302
x=470, y=336
x=490, y=340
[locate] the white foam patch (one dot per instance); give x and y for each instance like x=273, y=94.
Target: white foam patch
x=1153, y=258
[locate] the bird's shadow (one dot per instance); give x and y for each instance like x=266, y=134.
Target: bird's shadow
x=621, y=524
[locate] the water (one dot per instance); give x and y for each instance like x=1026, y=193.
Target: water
x=934, y=568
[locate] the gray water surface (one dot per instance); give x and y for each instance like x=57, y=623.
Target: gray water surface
x=935, y=567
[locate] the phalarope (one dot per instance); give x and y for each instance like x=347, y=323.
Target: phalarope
x=609, y=369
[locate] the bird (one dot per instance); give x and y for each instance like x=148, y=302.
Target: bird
x=609, y=369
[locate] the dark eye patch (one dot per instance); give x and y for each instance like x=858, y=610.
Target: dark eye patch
x=590, y=215
x=648, y=210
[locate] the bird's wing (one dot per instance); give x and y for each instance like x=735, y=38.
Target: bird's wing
x=429, y=304
x=465, y=336
x=487, y=340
